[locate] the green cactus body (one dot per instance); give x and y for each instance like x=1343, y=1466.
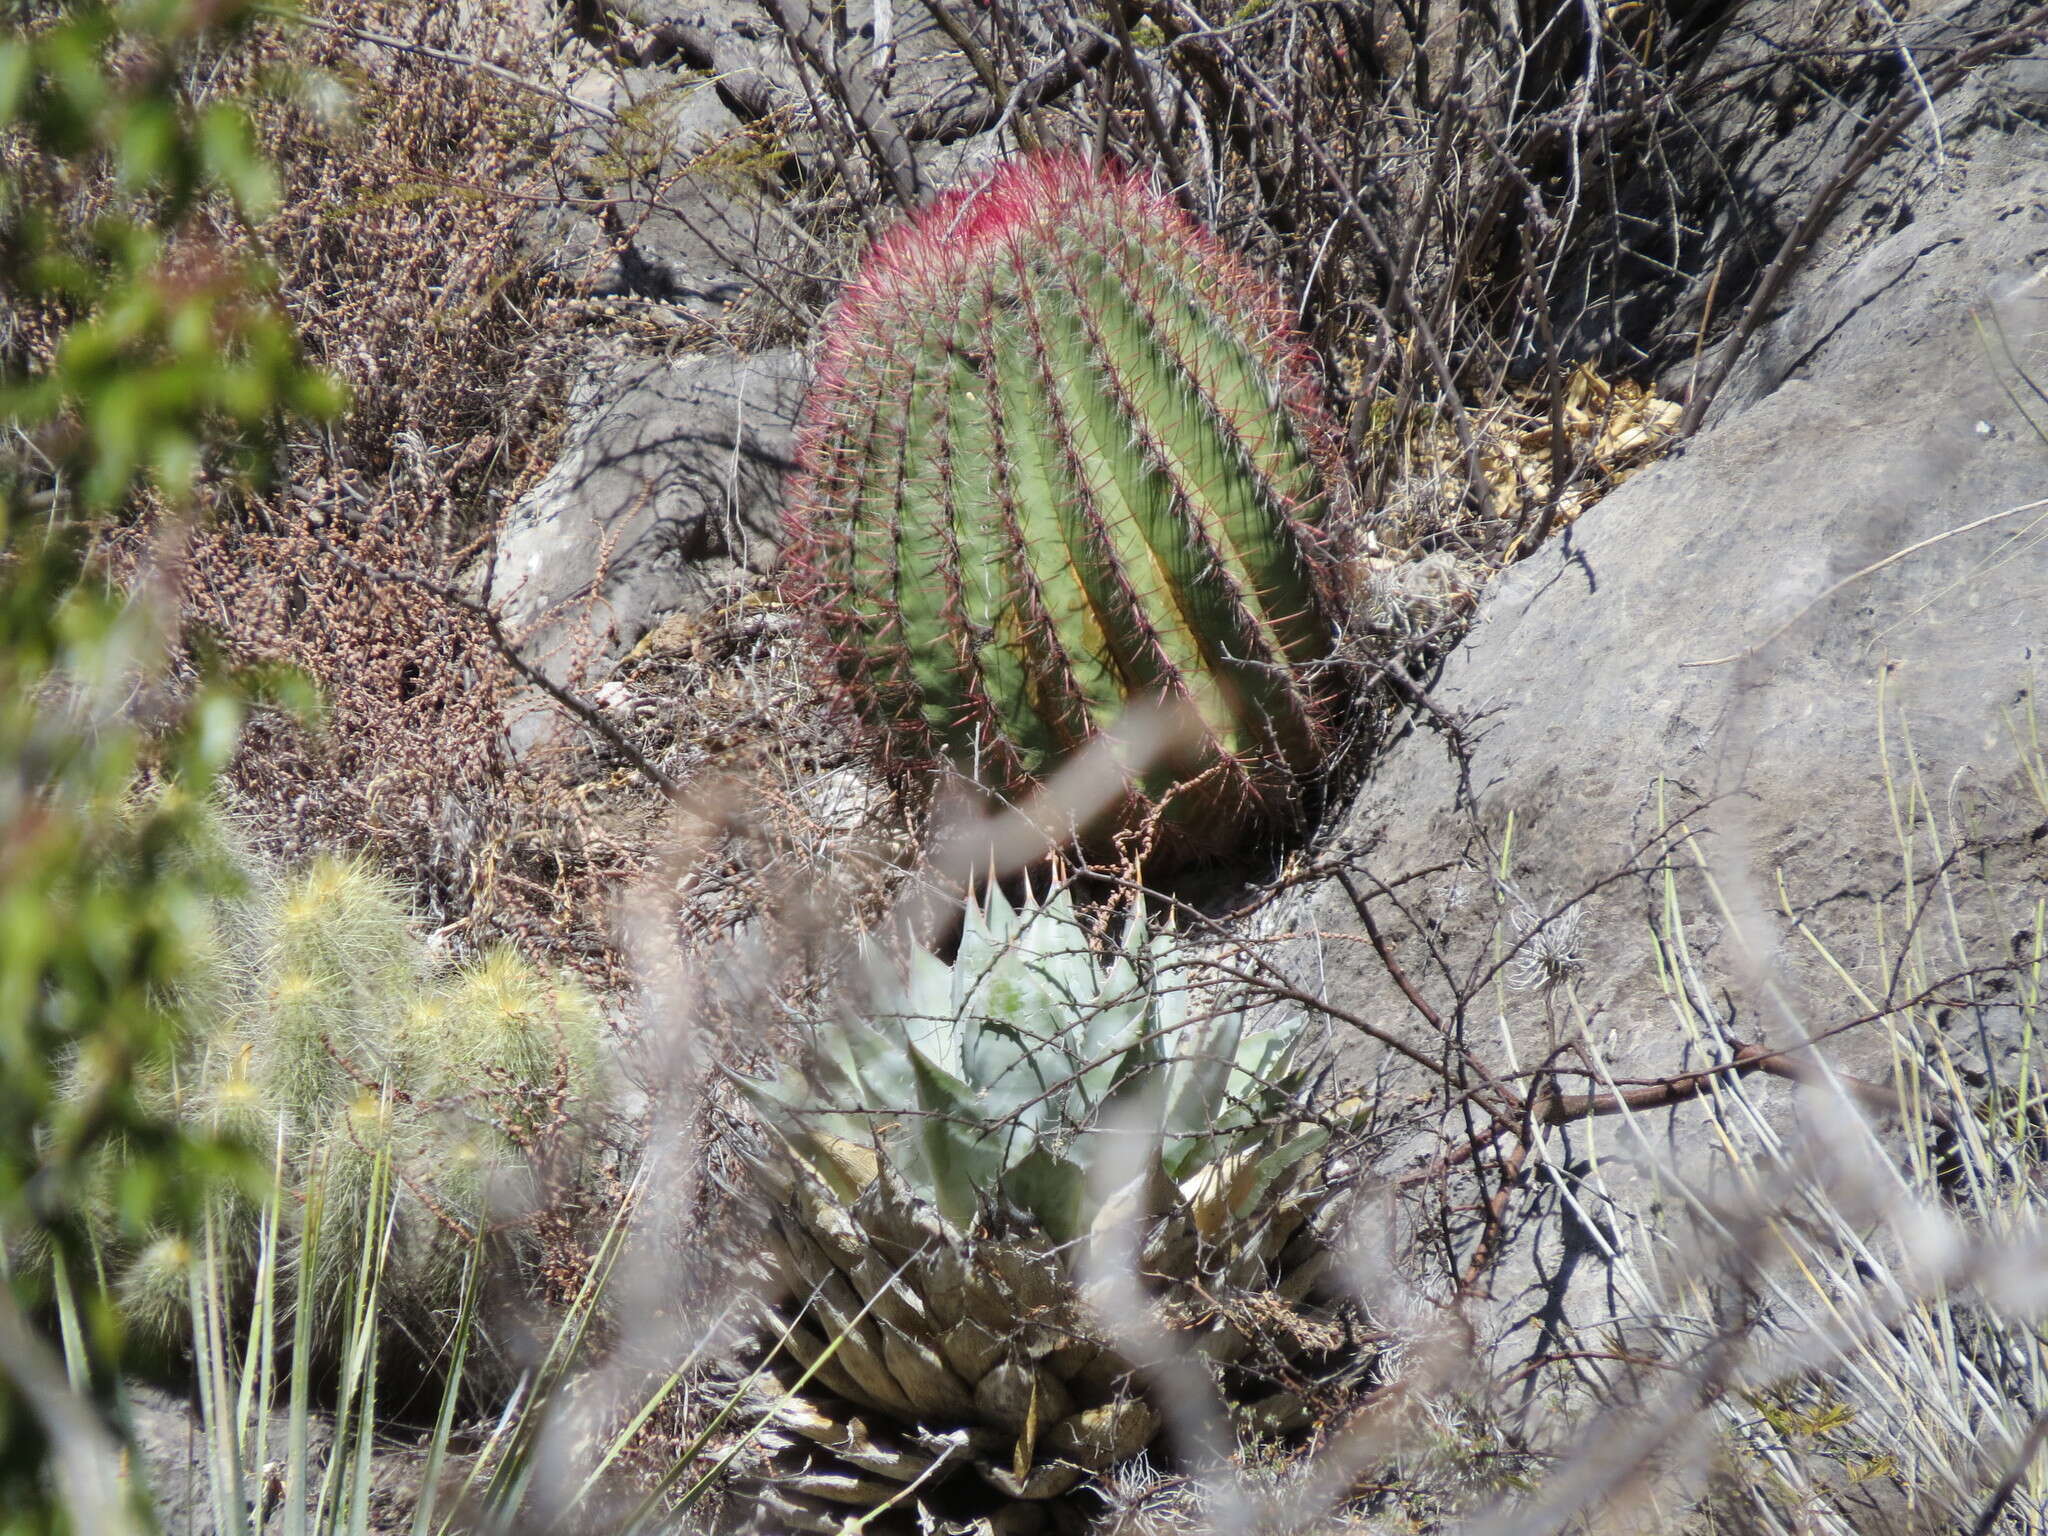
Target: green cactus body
x=1064, y=454
x=336, y=960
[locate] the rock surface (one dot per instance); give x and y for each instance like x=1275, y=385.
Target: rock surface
x=669, y=488
x=1717, y=641
x=684, y=195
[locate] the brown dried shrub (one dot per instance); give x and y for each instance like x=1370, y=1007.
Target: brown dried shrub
x=399, y=255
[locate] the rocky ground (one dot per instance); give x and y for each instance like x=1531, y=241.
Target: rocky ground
x=1689, y=715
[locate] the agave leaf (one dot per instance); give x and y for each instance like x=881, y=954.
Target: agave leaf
x=1266, y=1054
x=839, y=1488
x=1045, y=1480
x=790, y=1514
x=874, y=1064
x=1069, y=984
x=808, y=1350
x=1227, y=1189
x=852, y=1441
x=1261, y=1173
x=1057, y=950
x=1142, y=1201
x=770, y=1171
x=926, y=1379
x=1219, y=1191
x=972, y=1348
x=849, y=1166
x=837, y=1146
x=773, y=1096
x=1137, y=937
x=1022, y=1397
x=824, y=1218
x=986, y=934
x=961, y=1158
x=1103, y=1055
x=1266, y=1070
x=1204, y=1058
x=897, y=1224
x=1031, y=1272
x=1052, y=1189
x=1102, y=1437
x=1006, y=1056
x=833, y=1065
x=838, y=1310
x=925, y=1011
x=941, y=1272
x=1306, y=1274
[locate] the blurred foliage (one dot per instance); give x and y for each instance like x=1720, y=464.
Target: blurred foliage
x=175, y=355
x=171, y=371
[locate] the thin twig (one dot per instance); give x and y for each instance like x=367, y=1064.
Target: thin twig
x=1148, y=103
x=585, y=711
x=1561, y=1109
x=1048, y=85
x=1404, y=296
x=855, y=93
x=444, y=55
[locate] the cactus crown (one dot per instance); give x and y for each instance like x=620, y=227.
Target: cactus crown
x=1064, y=453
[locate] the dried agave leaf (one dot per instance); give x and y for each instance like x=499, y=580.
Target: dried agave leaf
x=1101, y=1437
x=924, y=1375
x=850, y=1440
x=1044, y=1480
x=1022, y=1397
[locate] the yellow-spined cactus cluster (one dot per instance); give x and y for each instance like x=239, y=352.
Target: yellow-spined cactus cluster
x=416, y=1108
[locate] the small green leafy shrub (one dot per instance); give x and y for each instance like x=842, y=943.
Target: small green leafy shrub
x=162, y=376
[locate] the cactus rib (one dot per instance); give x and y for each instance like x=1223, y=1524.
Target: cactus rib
x=1063, y=454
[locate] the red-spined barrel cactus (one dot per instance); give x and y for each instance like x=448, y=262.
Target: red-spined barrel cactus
x=1064, y=453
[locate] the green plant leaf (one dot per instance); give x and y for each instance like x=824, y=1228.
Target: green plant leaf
x=1053, y=1189
x=962, y=1158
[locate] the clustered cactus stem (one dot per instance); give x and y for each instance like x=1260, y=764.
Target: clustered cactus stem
x=1064, y=453
x=426, y=1102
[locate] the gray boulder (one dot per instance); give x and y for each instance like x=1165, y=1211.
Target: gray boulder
x=687, y=195
x=1699, y=666
x=671, y=198
x=668, y=490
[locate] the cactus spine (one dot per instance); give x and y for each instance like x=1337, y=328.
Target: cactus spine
x=415, y=1095
x=1063, y=453
x=369, y=1047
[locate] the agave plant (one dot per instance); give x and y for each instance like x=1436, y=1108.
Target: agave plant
x=939, y=1174
x=1063, y=453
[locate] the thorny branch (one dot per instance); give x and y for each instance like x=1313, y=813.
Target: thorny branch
x=585, y=712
